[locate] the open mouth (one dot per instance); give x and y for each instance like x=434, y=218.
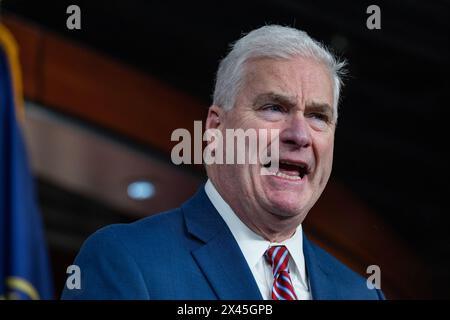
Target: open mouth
x=290, y=170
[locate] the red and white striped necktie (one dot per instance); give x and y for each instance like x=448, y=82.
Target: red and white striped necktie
x=278, y=257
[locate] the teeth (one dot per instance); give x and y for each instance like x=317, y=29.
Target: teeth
x=282, y=175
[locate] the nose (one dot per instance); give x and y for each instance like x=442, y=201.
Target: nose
x=296, y=134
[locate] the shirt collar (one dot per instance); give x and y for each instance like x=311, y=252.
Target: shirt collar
x=252, y=245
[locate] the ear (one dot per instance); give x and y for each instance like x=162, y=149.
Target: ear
x=214, y=118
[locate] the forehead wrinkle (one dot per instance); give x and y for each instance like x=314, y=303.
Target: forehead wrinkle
x=266, y=77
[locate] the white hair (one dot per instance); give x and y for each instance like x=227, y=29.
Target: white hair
x=272, y=41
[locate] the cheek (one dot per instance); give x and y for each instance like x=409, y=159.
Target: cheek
x=325, y=149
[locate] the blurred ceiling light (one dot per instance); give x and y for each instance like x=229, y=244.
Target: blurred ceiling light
x=141, y=190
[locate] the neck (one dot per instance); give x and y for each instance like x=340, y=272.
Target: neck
x=274, y=229
x=271, y=226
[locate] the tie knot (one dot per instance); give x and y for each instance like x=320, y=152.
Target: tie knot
x=278, y=258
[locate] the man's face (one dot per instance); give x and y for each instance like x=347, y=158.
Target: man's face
x=296, y=97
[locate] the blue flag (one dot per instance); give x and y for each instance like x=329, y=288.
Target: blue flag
x=24, y=265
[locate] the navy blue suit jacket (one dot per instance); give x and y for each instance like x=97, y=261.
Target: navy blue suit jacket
x=189, y=253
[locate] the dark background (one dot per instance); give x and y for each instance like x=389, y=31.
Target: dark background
x=391, y=140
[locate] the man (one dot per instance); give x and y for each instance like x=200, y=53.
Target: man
x=240, y=236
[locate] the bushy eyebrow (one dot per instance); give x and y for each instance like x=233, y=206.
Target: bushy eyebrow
x=272, y=97
x=291, y=101
x=324, y=108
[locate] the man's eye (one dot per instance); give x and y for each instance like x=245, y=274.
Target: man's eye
x=319, y=116
x=273, y=108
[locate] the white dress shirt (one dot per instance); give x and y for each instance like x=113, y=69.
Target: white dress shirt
x=253, y=247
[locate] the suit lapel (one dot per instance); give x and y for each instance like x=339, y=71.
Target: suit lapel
x=223, y=264
x=219, y=256
x=323, y=286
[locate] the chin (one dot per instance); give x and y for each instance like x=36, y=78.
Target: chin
x=287, y=205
